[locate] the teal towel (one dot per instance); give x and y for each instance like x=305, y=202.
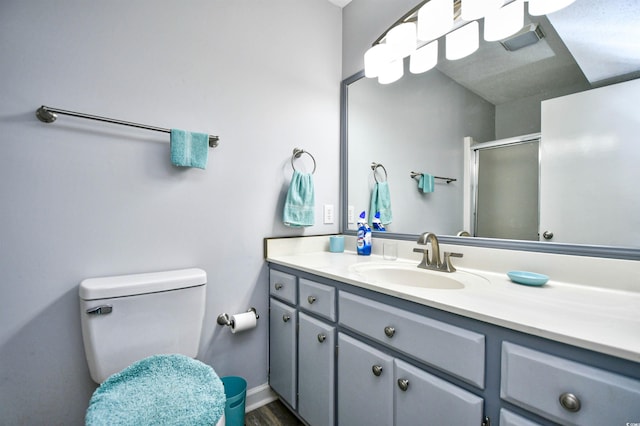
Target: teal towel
x=159, y=390
x=299, y=205
x=426, y=183
x=381, y=202
x=189, y=149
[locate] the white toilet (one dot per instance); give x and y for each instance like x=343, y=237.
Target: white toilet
x=126, y=319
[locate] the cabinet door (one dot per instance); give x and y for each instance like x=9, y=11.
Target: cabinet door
x=365, y=384
x=425, y=399
x=316, y=371
x=282, y=351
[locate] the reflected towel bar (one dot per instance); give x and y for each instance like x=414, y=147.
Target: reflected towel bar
x=449, y=180
x=48, y=115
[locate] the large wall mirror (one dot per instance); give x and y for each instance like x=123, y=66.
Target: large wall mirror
x=525, y=145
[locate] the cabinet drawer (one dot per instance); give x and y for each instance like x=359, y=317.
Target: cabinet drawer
x=318, y=298
x=282, y=286
x=538, y=382
x=455, y=350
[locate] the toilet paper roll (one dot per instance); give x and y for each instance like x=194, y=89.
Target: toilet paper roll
x=241, y=322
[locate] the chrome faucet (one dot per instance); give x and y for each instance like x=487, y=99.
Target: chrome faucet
x=434, y=262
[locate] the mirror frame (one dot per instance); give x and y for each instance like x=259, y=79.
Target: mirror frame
x=625, y=253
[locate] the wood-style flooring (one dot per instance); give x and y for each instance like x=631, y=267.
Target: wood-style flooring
x=272, y=414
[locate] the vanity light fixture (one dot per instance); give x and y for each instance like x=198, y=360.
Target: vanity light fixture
x=401, y=40
x=435, y=19
x=463, y=41
x=504, y=22
x=457, y=20
x=424, y=58
x=472, y=10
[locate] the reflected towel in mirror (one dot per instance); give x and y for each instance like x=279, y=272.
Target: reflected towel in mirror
x=381, y=202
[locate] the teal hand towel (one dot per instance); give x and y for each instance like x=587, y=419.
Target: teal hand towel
x=381, y=202
x=159, y=390
x=189, y=149
x=299, y=205
x=426, y=183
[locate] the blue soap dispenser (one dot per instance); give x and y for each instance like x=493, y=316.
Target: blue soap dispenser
x=364, y=236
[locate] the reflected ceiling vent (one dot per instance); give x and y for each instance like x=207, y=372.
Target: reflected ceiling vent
x=527, y=36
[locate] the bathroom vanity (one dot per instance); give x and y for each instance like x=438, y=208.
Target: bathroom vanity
x=348, y=349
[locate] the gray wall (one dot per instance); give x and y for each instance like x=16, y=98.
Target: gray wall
x=83, y=199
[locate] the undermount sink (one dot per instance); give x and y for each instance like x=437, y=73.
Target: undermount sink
x=409, y=275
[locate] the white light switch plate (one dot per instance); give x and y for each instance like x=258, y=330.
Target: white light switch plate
x=328, y=213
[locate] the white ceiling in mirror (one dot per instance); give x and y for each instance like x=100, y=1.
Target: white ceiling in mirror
x=589, y=26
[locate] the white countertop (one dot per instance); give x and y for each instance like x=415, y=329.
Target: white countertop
x=602, y=319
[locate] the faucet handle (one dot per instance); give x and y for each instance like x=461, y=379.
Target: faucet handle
x=447, y=266
x=425, y=257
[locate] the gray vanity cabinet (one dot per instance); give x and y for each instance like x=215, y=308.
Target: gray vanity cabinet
x=283, y=350
x=316, y=370
x=365, y=358
x=365, y=384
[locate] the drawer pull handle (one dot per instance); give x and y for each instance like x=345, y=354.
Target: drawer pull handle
x=286, y=318
x=403, y=384
x=377, y=370
x=322, y=337
x=570, y=402
x=311, y=299
x=278, y=286
x=389, y=331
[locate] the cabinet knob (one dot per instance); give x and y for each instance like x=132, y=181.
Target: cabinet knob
x=547, y=235
x=403, y=384
x=278, y=286
x=570, y=402
x=322, y=337
x=286, y=318
x=311, y=299
x=389, y=331
x=377, y=370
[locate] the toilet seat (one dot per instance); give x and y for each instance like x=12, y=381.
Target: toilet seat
x=162, y=389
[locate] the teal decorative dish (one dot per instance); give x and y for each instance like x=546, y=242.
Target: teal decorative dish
x=527, y=278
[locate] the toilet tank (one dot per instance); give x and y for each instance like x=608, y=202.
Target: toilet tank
x=129, y=317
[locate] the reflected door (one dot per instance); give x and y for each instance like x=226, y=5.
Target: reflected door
x=507, y=191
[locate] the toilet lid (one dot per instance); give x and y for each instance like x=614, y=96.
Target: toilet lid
x=161, y=389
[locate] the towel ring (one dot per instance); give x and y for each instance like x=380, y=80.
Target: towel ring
x=297, y=153
x=374, y=166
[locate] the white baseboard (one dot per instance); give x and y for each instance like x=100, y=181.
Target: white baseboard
x=259, y=396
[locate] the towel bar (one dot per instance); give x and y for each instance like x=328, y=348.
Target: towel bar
x=449, y=180
x=48, y=115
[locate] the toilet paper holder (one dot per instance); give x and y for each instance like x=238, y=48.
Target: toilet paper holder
x=225, y=319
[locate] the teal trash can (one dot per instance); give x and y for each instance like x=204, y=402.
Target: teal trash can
x=235, y=389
